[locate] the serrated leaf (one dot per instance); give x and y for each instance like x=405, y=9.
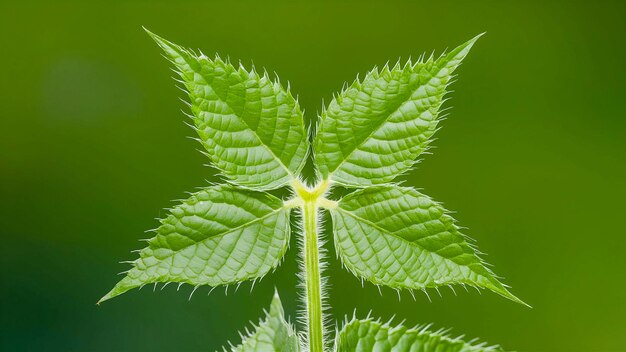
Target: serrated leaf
x=251, y=126
x=219, y=236
x=374, y=130
x=368, y=335
x=396, y=236
x=272, y=334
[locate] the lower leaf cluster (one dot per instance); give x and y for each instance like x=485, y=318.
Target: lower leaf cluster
x=276, y=334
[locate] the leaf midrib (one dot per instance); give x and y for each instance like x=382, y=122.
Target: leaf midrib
x=280, y=162
x=411, y=243
x=382, y=123
x=227, y=232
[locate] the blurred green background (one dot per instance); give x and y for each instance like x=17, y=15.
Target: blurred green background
x=93, y=147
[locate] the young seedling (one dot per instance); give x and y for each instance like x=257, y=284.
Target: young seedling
x=373, y=131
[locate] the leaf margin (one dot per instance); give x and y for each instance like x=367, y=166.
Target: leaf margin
x=497, y=287
x=170, y=49
x=126, y=284
x=419, y=331
x=277, y=312
x=461, y=51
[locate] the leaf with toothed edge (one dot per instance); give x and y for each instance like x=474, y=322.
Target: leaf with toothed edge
x=272, y=334
x=396, y=236
x=375, y=129
x=219, y=236
x=370, y=335
x=252, y=127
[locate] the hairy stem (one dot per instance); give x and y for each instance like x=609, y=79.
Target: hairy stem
x=312, y=277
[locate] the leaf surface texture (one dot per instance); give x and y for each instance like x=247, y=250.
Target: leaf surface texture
x=376, y=128
x=368, y=335
x=219, y=236
x=272, y=334
x=251, y=126
x=398, y=237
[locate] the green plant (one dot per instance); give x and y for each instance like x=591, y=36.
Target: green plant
x=373, y=131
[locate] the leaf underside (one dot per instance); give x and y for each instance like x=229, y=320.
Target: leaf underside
x=272, y=334
x=398, y=237
x=219, y=236
x=368, y=335
x=252, y=127
x=375, y=129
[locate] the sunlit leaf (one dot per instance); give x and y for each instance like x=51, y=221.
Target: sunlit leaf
x=219, y=236
x=396, y=236
x=273, y=334
x=251, y=126
x=369, y=335
x=376, y=128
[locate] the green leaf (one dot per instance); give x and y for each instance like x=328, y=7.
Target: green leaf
x=219, y=236
x=250, y=125
x=374, y=130
x=272, y=334
x=398, y=237
x=368, y=335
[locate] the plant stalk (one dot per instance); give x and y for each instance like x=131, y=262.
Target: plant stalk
x=312, y=277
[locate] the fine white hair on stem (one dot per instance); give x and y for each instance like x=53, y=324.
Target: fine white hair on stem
x=303, y=317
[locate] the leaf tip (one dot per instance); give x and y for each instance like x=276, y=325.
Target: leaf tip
x=123, y=286
x=276, y=306
x=479, y=35
x=113, y=293
x=459, y=53
x=517, y=300
x=151, y=34
x=468, y=44
x=508, y=295
x=104, y=298
x=165, y=44
x=276, y=296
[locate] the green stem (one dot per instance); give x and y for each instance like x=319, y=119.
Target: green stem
x=312, y=277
